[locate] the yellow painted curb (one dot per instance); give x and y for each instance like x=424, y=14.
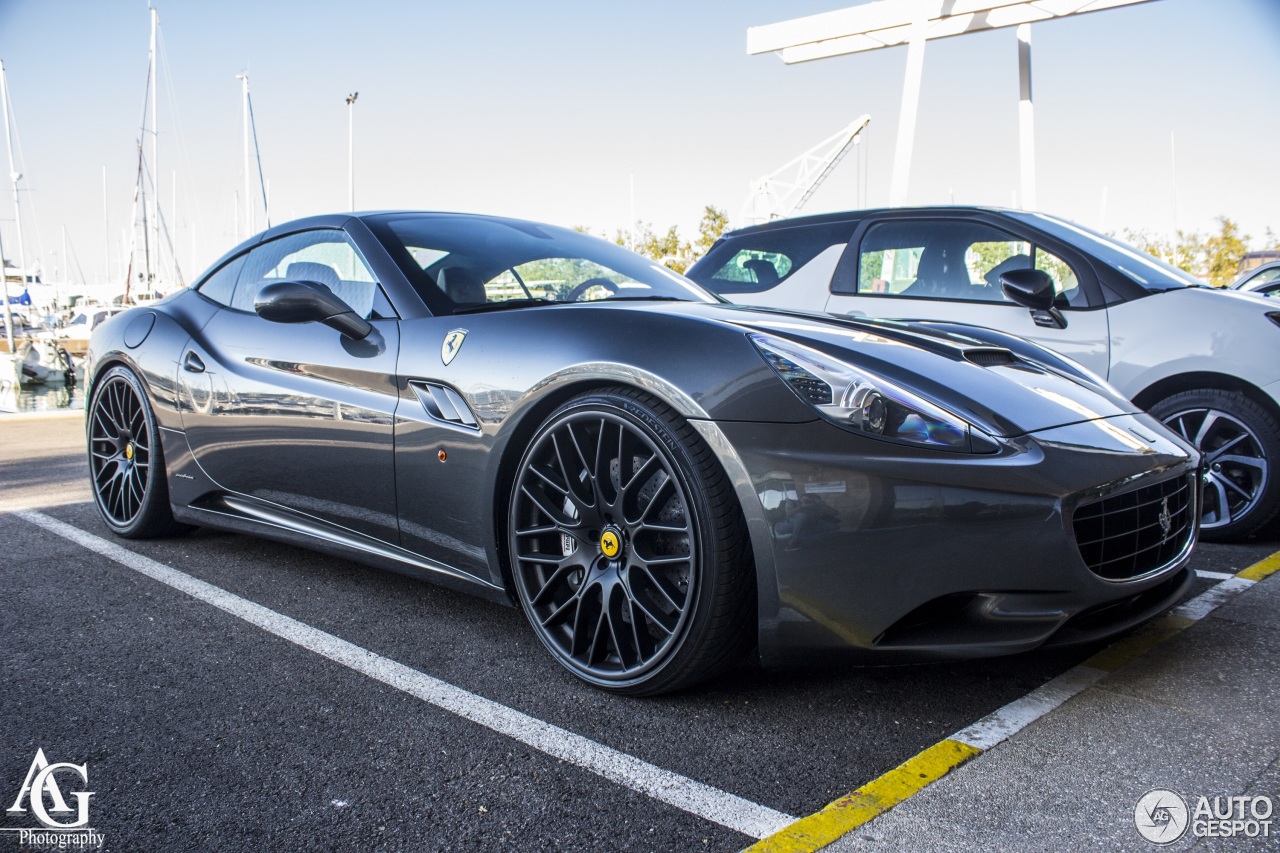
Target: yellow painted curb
x=1138, y=643
x=874, y=798
x=878, y=796
x=1261, y=569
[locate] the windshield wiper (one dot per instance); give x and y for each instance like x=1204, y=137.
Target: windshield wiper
x=500, y=306
x=654, y=298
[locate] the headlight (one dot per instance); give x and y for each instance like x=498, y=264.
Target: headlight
x=866, y=403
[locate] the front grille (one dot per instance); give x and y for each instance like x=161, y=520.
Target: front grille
x=1131, y=534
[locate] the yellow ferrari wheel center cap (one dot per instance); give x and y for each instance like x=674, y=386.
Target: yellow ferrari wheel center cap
x=128, y=451
x=610, y=544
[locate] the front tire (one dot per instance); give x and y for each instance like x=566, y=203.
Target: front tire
x=1240, y=441
x=628, y=547
x=126, y=463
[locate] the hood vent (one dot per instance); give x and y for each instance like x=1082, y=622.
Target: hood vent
x=990, y=357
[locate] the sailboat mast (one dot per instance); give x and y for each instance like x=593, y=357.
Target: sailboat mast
x=152, y=275
x=106, y=230
x=248, y=194
x=14, y=176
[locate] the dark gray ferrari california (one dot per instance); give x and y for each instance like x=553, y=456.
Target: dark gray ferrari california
x=659, y=479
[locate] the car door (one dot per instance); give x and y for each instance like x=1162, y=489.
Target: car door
x=297, y=415
x=948, y=268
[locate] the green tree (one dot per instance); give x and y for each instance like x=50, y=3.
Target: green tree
x=714, y=223
x=1185, y=250
x=669, y=248
x=1223, y=252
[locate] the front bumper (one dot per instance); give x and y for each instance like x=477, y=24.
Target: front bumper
x=908, y=555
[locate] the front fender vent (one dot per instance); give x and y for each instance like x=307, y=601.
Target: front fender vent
x=445, y=405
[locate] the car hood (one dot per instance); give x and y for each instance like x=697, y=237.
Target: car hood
x=1002, y=391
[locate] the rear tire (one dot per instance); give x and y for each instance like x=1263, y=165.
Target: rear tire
x=628, y=547
x=1240, y=441
x=126, y=461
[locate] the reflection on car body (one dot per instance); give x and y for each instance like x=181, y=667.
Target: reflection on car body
x=660, y=480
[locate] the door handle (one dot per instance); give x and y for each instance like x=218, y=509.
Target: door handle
x=192, y=363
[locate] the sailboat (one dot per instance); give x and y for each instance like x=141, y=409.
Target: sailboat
x=24, y=361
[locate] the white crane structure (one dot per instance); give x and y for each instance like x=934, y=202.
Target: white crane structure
x=888, y=23
x=784, y=191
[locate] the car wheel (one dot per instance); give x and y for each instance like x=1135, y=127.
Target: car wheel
x=1239, y=440
x=125, y=460
x=628, y=547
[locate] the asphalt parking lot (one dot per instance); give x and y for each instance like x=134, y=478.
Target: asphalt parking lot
x=201, y=730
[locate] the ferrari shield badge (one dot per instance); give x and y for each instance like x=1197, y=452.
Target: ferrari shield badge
x=452, y=343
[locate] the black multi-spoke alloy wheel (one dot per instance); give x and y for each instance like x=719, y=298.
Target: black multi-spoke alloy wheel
x=125, y=461
x=628, y=547
x=1239, y=440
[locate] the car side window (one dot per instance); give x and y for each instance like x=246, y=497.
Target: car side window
x=759, y=261
x=952, y=260
x=325, y=257
x=1065, y=283
x=1264, y=277
x=222, y=284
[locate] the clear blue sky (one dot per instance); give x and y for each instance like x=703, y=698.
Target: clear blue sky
x=546, y=110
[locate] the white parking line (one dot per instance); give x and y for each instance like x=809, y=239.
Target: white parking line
x=686, y=794
x=1213, y=576
x=1004, y=722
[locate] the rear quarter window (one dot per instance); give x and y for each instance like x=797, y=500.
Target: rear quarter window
x=757, y=261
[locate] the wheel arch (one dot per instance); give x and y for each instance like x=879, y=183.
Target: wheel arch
x=1199, y=380
x=516, y=439
x=103, y=366
x=518, y=436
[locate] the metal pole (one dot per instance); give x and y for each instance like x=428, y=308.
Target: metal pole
x=173, y=229
x=153, y=275
x=106, y=230
x=351, y=167
x=910, y=105
x=248, y=195
x=1026, y=119
x=8, y=321
x=14, y=177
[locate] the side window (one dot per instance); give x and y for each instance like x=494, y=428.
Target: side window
x=951, y=260
x=1065, y=283
x=1264, y=277
x=751, y=270
x=325, y=257
x=758, y=261
x=220, y=286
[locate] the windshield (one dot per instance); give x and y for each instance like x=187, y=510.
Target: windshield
x=1147, y=270
x=460, y=264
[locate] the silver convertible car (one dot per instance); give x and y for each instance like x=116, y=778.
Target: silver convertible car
x=1204, y=362
x=660, y=480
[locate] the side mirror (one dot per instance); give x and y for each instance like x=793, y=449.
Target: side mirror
x=1033, y=289
x=309, y=302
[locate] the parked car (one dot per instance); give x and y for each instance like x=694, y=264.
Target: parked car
x=1264, y=279
x=661, y=481
x=1205, y=362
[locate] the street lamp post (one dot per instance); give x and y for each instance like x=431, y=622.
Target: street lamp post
x=351, y=168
